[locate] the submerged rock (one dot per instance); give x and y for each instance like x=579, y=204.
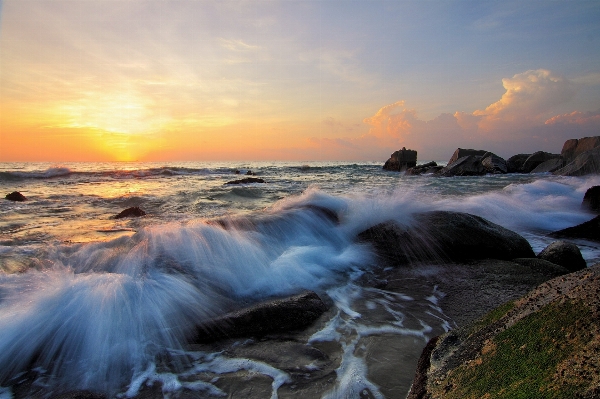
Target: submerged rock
x=246, y=180
x=591, y=199
x=133, y=211
x=589, y=230
x=15, y=196
x=565, y=254
x=442, y=236
x=276, y=315
x=545, y=342
x=401, y=160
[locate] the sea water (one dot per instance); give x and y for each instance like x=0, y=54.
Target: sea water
x=91, y=302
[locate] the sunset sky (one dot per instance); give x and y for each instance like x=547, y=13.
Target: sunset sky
x=171, y=80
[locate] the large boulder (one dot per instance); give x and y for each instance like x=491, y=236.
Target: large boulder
x=585, y=163
x=542, y=345
x=515, y=163
x=463, y=152
x=401, y=160
x=591, y=199
x=272, y=316
x=469, y=165
x=536, y=159
x=441, y=236
x=492, y=163
x=15, y=196
x=565, y=254
x=589, y=230
x=575, y=147
x=549, y=166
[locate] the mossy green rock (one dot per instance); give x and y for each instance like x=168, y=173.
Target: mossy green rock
x=544, y=345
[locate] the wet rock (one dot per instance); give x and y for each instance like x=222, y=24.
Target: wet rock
x=131, y=212
x=537, y=158
x=591, y=199
x=442, y=236
x=515, y=163
x=246, y=180
x=565, y=254
x=469, y=165
x=584, y=164
x=589, y=230
x=80, y=395
x=15, y=196
x=272, y=316
x=401, y=160
x=549, y=166
x=463, y=152
x=556, y=321
x=429, y=167
x=492, y=163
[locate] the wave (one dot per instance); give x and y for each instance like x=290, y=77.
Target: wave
x=49, y=173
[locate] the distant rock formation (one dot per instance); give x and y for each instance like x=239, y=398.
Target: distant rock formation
x=15, y=196
x=401, y=160
x=537, y=158
x=463, y=152
x=581, y=157
x=429, y=167
x=469, y=162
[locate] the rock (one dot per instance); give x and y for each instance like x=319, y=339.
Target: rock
x=15, y=196
x=440, y=236
x=463, y=152
x=500, y=355
x=247, y=180
x=565, y=254
x=80, y=395
x=401, y=160
x=515, y=163
x=585, y=163
x=535, y=159
x=575, y=147
x=469, y=165
x=550, y=165
x=591, y=199
x=250, y=173
x=589, y=230
x=133, y=211
x=492, y=163
x=267, y=317
x=429, y=167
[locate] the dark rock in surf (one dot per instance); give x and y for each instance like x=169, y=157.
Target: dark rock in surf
x=429, y=167
x=246, y=180
x=536, y=159
x=80, y=395
x=401, y=160
x=250, y=173
x=515, y=163
x=442, y=236
x=15, y=196
x=565, y=254
x=469, y=165
x=463, y=152
x=549, y=166
x=591, y=199
x=131, y=212
x=589, y=230
x=272, y=316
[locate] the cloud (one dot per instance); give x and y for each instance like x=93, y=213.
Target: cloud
x=524, y=119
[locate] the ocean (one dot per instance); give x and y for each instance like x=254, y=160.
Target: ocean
x=90, y=302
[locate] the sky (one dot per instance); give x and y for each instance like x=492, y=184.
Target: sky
x=355, y=80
